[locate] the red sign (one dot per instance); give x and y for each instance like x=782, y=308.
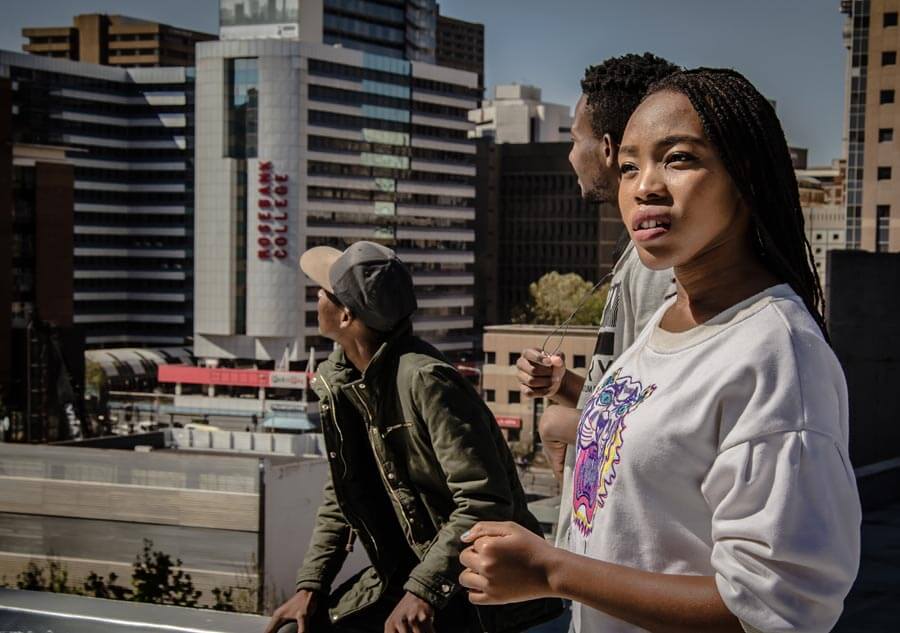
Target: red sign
x=507, y=422
x=188, y=375
x=272, y=213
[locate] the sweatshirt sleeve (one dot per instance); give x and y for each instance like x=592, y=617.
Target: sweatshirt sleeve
x=785, y=530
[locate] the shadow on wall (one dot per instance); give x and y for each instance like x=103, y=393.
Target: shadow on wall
x=863, y=313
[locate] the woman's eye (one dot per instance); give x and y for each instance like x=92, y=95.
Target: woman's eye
x=679, y=157
x=627, y=167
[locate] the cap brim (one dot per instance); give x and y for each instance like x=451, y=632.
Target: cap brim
x=317, y=262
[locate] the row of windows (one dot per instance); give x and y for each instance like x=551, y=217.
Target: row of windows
x=132, y=285
x=142, y=263
x=104, y=130
x=340, y=169
x=882, y=227
x=353, y=97
x=129, y=305
x=134, y=52
x=342, y=71
x=145, y=220
x=57, y=104
x=332, y=193
x=355, y=147
x=330, y=36
x=367, y=10
x=346, y=121
x=149, y=154
x=131, y=241
x=131, y=176
x=46, y=80
x=345, y=145
x=403, y=221
x=133, y=198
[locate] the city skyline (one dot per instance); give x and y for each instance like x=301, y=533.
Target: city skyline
x=792, y=51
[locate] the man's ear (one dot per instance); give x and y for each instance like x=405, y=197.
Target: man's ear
x=347, y=318
x=609, y=150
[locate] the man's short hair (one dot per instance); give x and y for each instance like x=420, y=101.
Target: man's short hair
x=615, y=87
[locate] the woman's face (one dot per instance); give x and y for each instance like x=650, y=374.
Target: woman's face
x=677, y=199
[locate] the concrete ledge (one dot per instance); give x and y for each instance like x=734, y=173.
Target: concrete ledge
x=41, y=611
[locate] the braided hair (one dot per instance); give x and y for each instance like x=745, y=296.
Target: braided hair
x=615, y=87
x=742, y=126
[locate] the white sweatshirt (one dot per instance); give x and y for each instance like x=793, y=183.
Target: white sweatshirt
x=723, y=451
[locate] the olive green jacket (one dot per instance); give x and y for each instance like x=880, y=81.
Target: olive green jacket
x=416, y=459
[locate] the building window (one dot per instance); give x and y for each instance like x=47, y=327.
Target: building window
x=885, y=134
x=887, y=96
x=889, y=58
x=890, y=19
x=882, y=228
x=579, y=361
x=884, y=173
x=490, y=358
x=489, y=395
x=243, y=104
x=513, y=357
x=854, y=227
x=515, y=397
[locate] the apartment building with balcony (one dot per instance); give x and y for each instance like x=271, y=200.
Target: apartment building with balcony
x=115, y=40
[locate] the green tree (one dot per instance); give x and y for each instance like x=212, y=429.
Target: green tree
x=554, y=297
x=157, y=580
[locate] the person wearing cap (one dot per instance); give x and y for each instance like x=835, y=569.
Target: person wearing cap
x=416, y=459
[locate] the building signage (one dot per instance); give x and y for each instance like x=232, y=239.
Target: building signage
x=188, y=375
x=272, y=214
x=508, y=422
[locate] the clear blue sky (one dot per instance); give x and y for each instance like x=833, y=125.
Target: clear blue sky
x=791, y=49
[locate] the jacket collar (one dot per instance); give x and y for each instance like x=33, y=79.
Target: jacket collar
x=339, y=371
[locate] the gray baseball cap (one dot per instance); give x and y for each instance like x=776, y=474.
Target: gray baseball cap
x=368, y=278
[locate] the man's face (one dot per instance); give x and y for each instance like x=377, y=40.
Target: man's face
x=586, y=157
x=329, y=313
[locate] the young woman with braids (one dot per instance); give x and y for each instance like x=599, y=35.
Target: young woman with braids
x=713, y=491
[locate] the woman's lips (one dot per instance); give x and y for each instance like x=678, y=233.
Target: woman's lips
x=646, y=235
x=650, y=224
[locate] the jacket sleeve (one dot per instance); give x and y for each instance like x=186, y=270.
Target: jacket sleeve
x=327, y=547
x=465, y=440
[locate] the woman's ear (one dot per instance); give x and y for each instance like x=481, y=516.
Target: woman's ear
x=609, y=150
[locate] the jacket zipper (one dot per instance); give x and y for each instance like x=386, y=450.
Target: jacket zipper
x=344, y=462
x=384, y=478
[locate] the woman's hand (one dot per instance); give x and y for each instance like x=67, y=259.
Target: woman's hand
x=505, y=563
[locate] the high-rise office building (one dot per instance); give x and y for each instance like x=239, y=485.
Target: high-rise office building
x=115, y=40
x=872, y=38
x=308, y=141
x=125, y=137
x=402, y=29
x=533, y=220
x=460, y=44
x=516, y=114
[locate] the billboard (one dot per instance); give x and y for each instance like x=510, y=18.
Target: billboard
x=232, y=377
x=259, y=18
